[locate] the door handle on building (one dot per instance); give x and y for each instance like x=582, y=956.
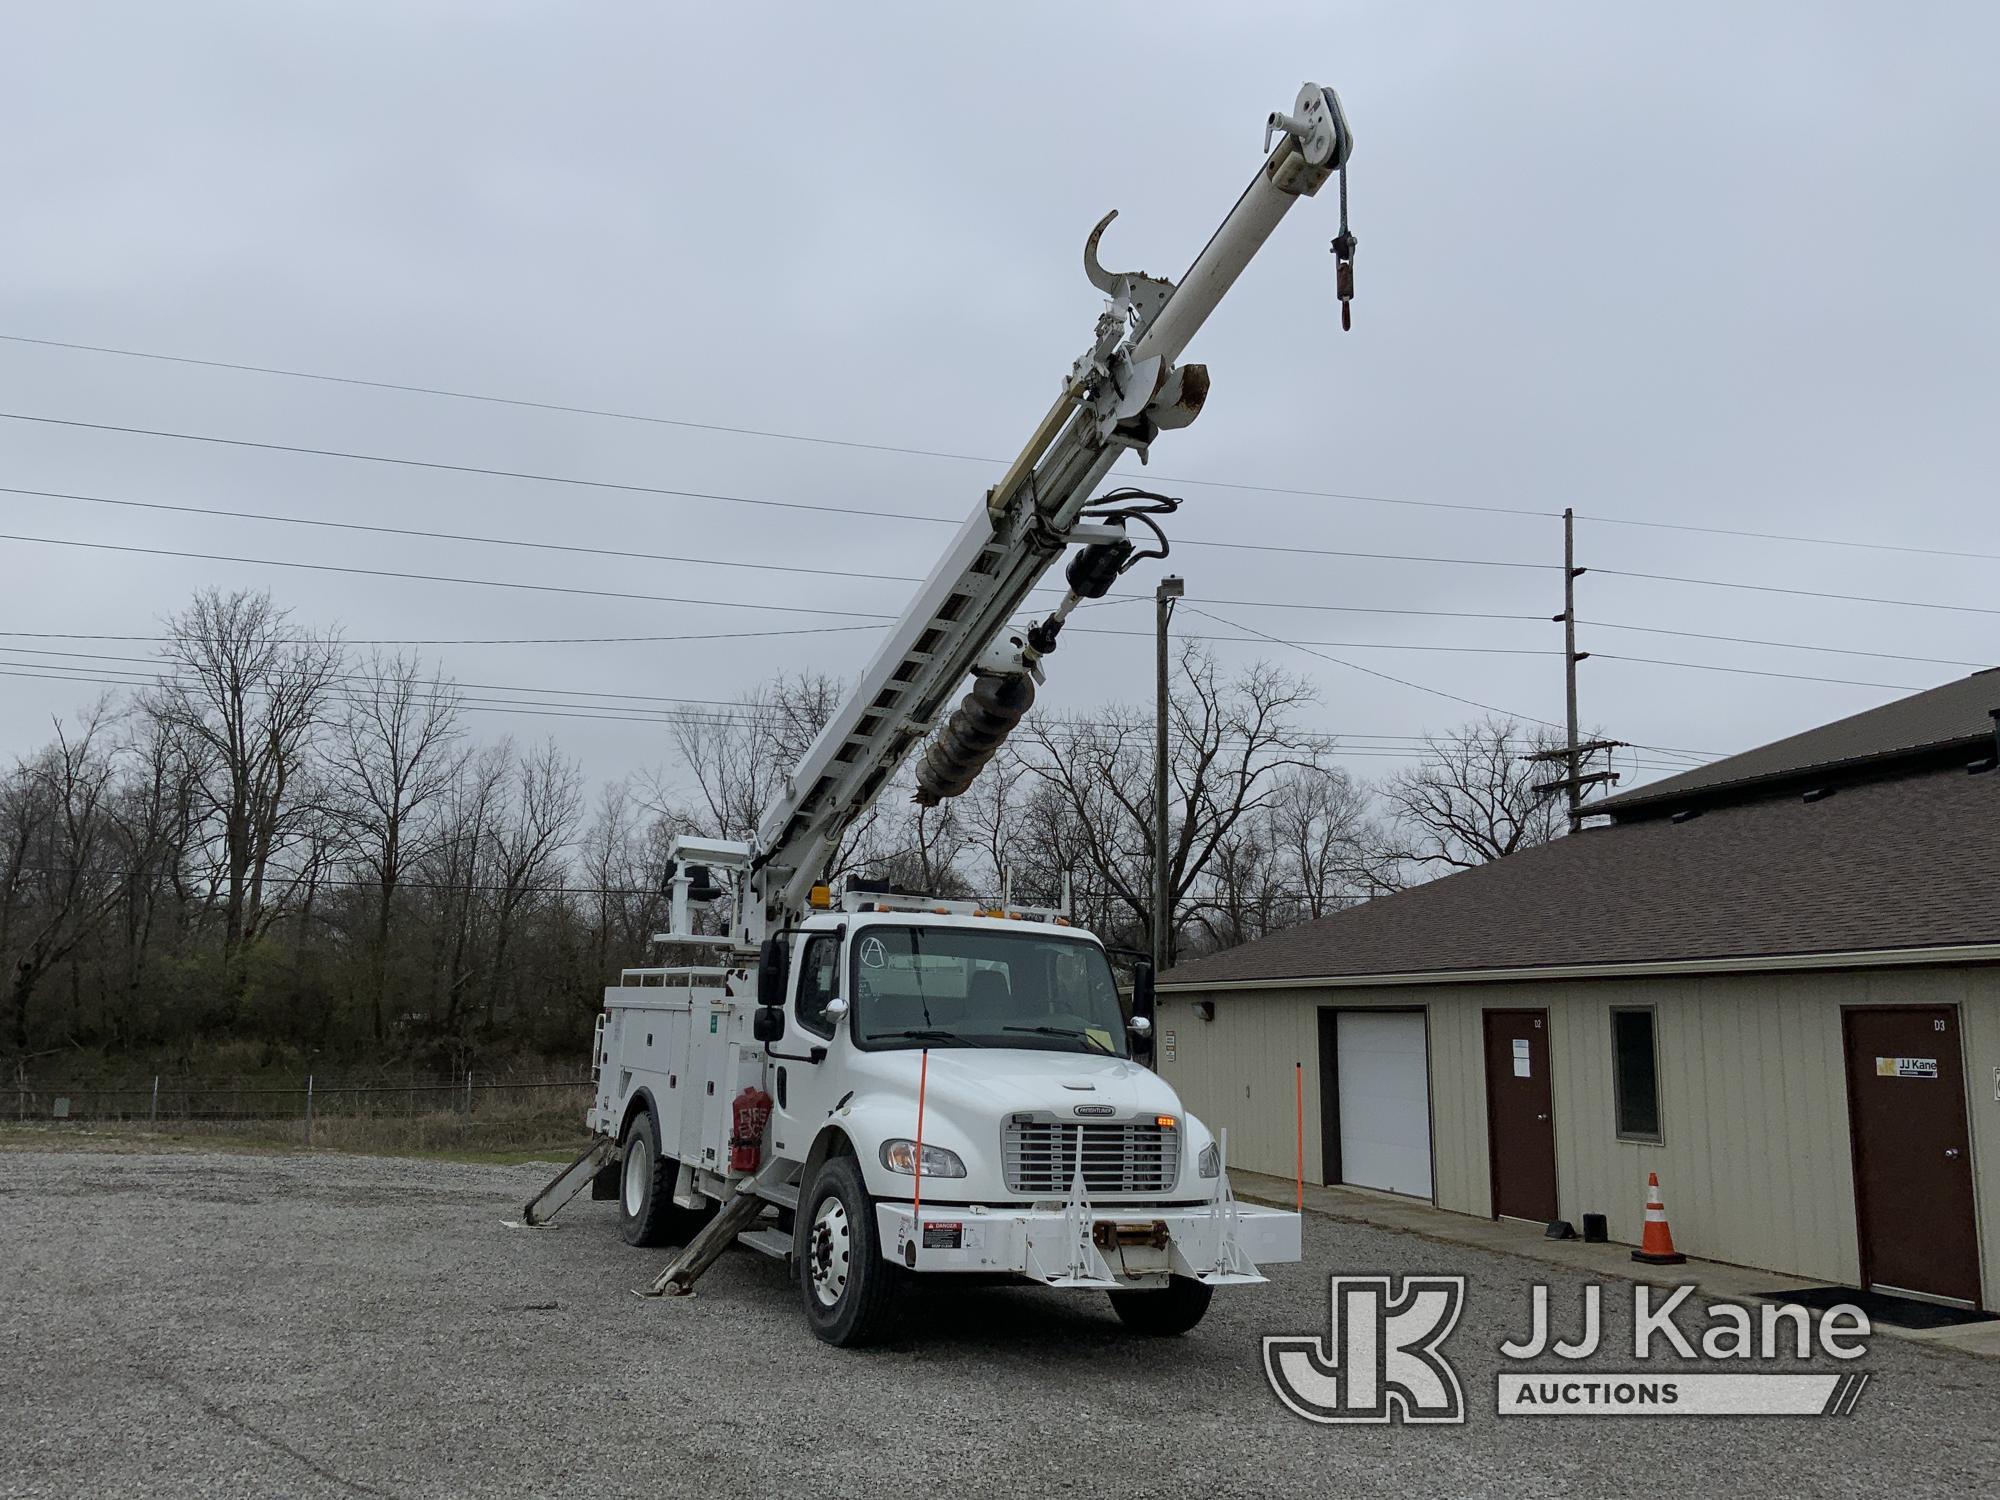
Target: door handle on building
x=1950, y=1151
x=1544, y=1117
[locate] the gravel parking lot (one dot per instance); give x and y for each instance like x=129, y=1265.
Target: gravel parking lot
x=218, y=1325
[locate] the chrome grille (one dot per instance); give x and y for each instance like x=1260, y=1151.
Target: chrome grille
x=1039, y=1157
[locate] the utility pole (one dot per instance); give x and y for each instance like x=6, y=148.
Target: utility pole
x=1569, y=663
x=1571, y=755
x=1170, y=589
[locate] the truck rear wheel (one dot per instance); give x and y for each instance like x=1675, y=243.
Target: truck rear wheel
x=1174, y=1309
x=847, y=1287
x=647, y=1212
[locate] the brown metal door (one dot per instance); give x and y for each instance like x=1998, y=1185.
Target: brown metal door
x=1520, y=1114
x=1912, y=1156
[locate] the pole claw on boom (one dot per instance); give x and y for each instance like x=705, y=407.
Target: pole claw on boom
x=1136, y=296
x=1093, y=268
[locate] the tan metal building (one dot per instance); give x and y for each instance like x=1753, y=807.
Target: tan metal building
x=1775, y=981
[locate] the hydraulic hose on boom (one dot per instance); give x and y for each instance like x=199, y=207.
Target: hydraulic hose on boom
x=1119, y=394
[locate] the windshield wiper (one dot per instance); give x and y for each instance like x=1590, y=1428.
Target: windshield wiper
x=922, y=1034
x=1082, y=1036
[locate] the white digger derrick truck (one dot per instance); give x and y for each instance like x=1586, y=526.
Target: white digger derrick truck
x=873, y=1085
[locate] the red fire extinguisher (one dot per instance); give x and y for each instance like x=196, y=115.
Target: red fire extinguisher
x=749, y=1113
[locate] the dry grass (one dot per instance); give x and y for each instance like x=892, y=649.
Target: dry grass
x=544, y=1124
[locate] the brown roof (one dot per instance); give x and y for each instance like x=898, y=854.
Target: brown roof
x=1952, y=715
x=1904, y=862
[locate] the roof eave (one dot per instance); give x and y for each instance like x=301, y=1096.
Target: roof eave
x=1655, y=799
x=1859, y=958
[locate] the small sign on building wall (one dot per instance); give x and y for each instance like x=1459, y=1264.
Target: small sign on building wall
x=1906, y=1067
x=1167, y=1052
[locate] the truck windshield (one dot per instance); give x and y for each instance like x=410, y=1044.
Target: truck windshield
x=948, y=986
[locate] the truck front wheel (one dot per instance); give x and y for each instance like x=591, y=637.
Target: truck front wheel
x=846, y=1285
x=1174, y=1309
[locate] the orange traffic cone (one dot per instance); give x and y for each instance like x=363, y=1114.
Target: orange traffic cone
x=1656, y=1241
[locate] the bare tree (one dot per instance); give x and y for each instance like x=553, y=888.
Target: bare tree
x=738, y=756
x=1472, y=798
x=247, y=690
x=1231, y=744
x=155, y=818
x=1329, y=851
x=454, y=868
x=916, y=847
x=395, y=753
x=994, y=820
x=1311, y=851
x=58, y=884
x=530, y=834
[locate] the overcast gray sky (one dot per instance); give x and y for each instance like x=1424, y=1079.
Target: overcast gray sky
x=1717, y=265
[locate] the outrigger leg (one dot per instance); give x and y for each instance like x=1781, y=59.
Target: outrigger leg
x=735, y=1216
x=570, y=1181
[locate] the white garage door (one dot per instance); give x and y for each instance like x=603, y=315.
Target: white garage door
x=1385, y=1104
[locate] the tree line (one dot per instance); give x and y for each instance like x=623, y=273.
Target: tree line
x=283, y=840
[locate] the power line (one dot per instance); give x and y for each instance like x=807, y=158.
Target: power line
x=741, y=431
x=530, y=640
x=1772, y=588
x=723, y=703
x=630, y=554
x=891, y=515
x=1239, y=640
x=682, y=422
x=1370, y=671
x=1745, y=640
x=1255, y=637
x=622, y=553
x=490, y=583
x=423, y=463
x=1780, y=536
x=710, y=602
x=714, y=713
x=1702, y=666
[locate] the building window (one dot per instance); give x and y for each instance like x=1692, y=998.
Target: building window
x=1636, y=1073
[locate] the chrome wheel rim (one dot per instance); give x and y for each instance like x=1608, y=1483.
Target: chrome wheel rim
x=827, y=1256
x=638, y=1169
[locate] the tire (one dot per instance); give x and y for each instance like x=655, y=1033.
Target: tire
x=1162, y=1314
x=848, y=1289
x=647, y=1213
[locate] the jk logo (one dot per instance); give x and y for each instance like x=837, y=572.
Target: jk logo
x=1380, y=1361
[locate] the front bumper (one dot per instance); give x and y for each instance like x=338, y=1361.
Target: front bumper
x=1128, y=1247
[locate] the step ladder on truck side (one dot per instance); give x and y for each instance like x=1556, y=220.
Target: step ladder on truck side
x=875, y=1084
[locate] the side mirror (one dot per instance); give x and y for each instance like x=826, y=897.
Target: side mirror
x=836, y=1008
x=1142, y=992
x=1139, y=1026
x=774, y=970
x=767, y=1024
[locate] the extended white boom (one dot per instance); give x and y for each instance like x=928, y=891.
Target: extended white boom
x=1120, y=393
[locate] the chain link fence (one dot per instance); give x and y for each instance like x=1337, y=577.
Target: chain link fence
x=314, y=1110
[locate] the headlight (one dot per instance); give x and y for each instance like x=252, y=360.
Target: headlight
x=901, y=1156
x=1209, y=1163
